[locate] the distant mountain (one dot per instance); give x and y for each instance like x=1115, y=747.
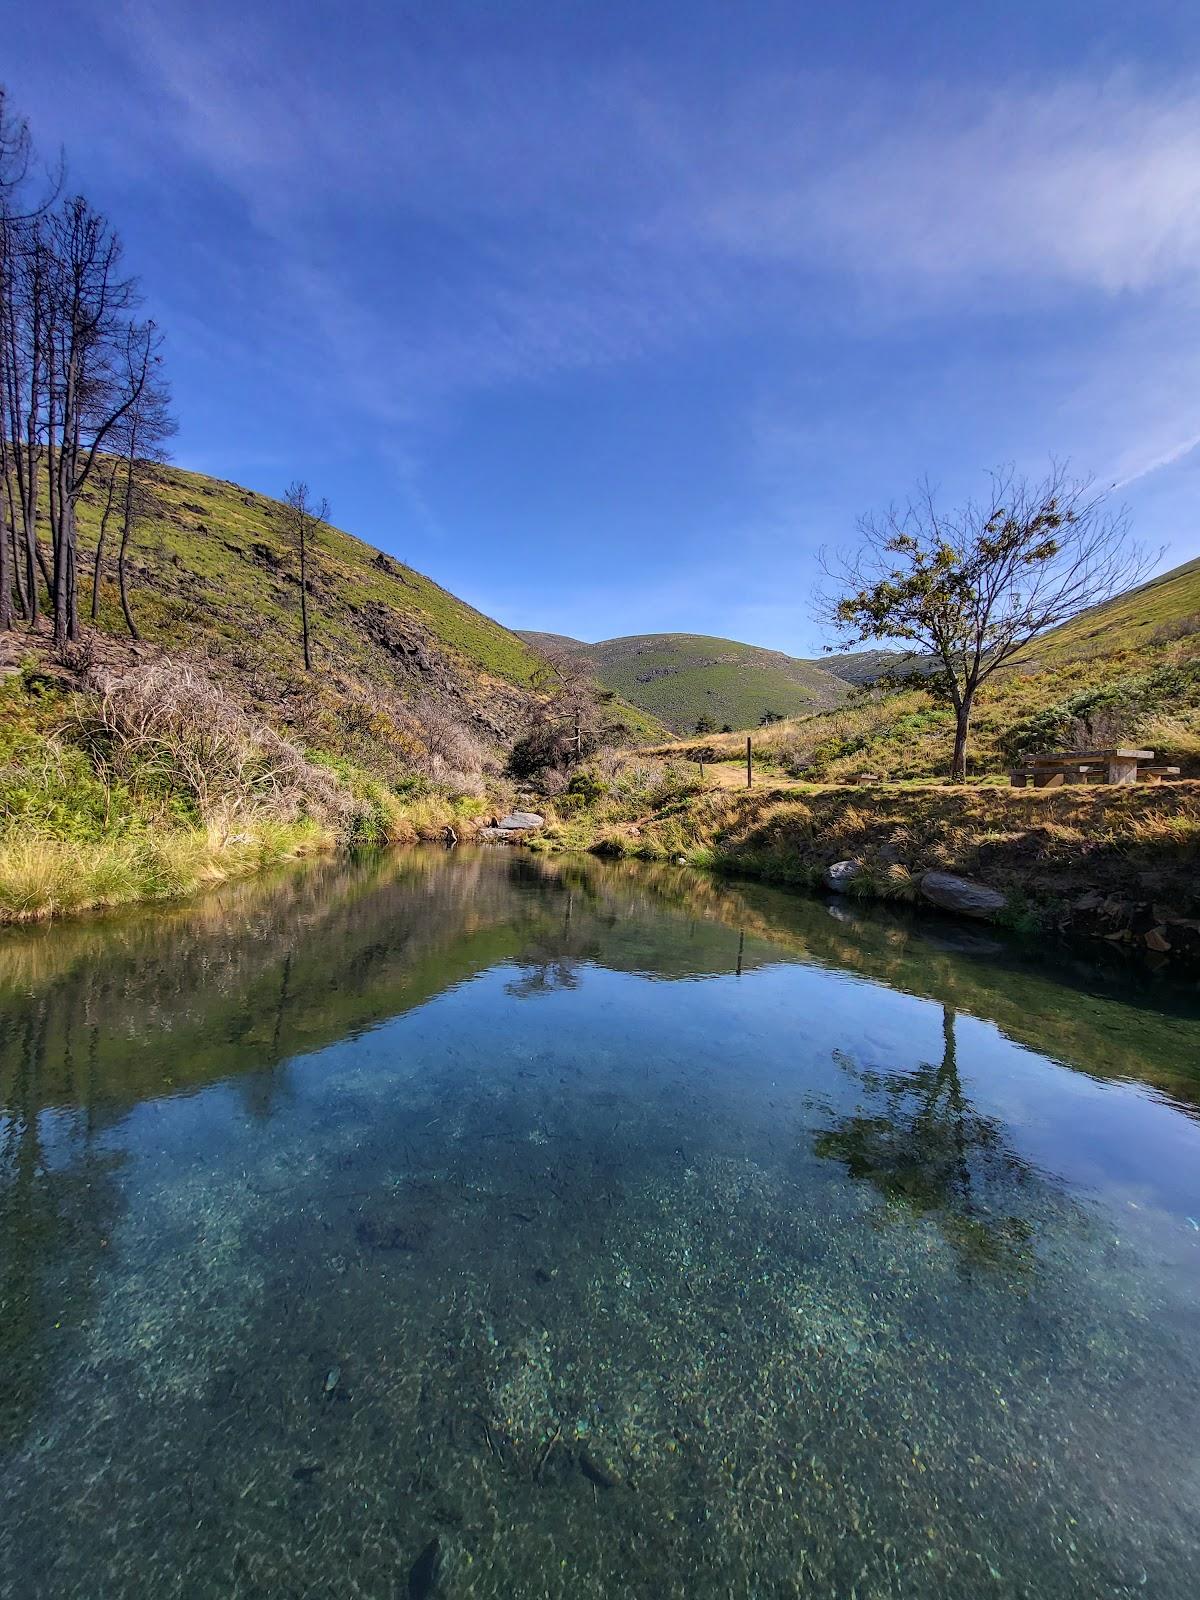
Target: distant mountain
x=682, y=677
x=864, y=666
x=556, y=643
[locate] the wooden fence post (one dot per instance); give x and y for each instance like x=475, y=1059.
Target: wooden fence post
x=749, y=764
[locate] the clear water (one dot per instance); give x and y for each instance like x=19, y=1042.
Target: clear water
x=623, y=1231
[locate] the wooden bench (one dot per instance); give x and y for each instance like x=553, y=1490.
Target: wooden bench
x=1086, y=766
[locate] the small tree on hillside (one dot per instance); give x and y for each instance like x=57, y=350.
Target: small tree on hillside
x=305, y=518
x=975, y=587
x=568, y=724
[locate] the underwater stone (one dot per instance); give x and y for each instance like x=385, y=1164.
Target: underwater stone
x=601, y=1475
x=423, y=1574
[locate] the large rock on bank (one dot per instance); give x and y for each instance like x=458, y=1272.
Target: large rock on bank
x=518, y=821
x=509, y=829
x=963, y=895
x=840, y=875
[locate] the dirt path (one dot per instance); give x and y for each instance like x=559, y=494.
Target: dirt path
x=732, y=775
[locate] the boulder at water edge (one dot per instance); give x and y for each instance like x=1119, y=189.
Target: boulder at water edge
x=521, y=819
x=968, y=898
x=841, y=875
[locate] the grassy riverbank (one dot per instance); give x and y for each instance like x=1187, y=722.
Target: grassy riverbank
x=1114, y=861
x=161, y=784
x=47, y=877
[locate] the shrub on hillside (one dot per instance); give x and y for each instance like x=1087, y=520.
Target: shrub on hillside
x=1109, y=712
x=167, y=728
x=1180, y=628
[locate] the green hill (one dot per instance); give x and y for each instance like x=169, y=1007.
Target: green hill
x=1128, y=670
x=1167, y=604
x=215, y=571
x=681, y=677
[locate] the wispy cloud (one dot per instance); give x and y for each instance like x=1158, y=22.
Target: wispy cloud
x=441, y=219
x=1083, y=184
x=1167, y=458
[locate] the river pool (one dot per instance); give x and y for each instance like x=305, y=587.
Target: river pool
x=466, y=1224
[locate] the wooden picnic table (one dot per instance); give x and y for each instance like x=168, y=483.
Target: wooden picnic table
x=1120, y=765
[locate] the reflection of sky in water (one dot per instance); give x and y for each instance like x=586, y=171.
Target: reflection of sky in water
x=636, y=1272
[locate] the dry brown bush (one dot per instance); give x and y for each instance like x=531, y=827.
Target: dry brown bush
x=449, y=752
x=168, y=722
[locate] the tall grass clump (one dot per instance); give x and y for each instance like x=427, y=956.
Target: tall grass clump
x=46, y=877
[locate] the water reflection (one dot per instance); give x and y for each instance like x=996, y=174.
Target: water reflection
x=58, y=1203
x=619, y=1229
x=917, y=1137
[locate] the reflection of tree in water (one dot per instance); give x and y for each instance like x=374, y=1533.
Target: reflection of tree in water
x=921, y=1143
x=57, y=1208
x=543, y=977
x=552, y=960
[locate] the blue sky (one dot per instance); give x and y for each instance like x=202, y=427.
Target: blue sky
x=609, y=315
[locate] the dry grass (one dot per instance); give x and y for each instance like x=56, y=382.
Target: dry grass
x=154, y=781
x=169, y=725
x=42, y=878
x=1039, y=846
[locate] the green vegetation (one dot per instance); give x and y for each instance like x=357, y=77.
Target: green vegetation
x=161, y=782
x=1110, y=676
x=680, y=678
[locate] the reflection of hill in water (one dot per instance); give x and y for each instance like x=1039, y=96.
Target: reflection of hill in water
x=161, y=1000
x=165, y=999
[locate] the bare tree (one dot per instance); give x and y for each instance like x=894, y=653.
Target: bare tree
x=98, y=371
x=111, y=476
x=16, y=153
x=25, y=361
x=975, y=586
x=75, y=365
x=144, y=430
x=305, y=518
x=569, y=723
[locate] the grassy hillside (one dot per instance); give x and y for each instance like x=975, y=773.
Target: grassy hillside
x=139, y=769
x=681, y=677
x=1167, y=604
x=216, y=570
x=1128, y=670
